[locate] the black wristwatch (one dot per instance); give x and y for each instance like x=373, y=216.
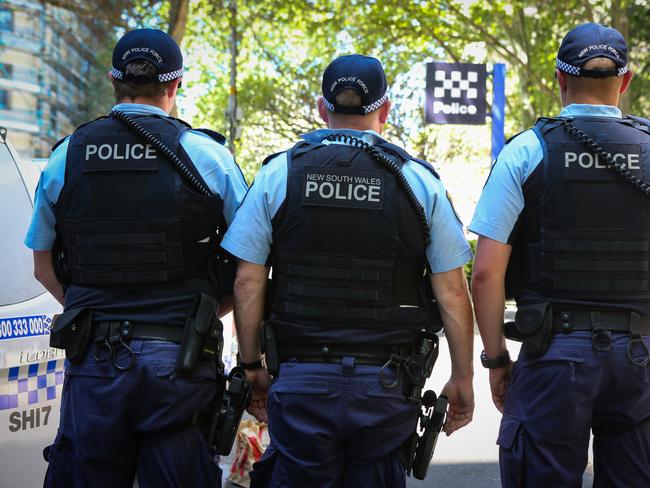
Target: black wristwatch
x=498, y=362
x=252, y=365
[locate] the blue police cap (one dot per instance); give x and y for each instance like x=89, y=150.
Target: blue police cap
x=152, y=45
x=363, y=74
x=588, y=41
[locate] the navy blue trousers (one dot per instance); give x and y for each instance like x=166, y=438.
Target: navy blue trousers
x=335, y=425
x=115, y=424
x=553, y=402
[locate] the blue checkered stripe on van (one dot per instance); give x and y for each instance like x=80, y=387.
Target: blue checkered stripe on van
x=32, y=383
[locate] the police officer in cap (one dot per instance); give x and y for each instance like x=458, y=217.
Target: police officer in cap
x=564, y=221
x=356, y=244
x=139, y=233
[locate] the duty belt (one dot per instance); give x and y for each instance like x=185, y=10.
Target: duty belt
x=615, y=321
x=110, y=336
x=326, y=353
x=137, y=330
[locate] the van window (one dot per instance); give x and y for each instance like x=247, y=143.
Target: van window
x=17, y=282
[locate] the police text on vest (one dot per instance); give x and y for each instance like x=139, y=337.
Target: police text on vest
x=343, y=187
x=120, y=151
x=590, y=160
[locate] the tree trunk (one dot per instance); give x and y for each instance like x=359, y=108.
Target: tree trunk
x=178, y=13
x=621, y=23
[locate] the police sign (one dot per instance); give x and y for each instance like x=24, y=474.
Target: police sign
x=455, y=93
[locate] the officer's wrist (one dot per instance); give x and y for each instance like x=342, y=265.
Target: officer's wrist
x=495, y=362
x=250, y=365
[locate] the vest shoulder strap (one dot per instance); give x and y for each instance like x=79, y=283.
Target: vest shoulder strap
x=58, y=143
x=220, y=138
x=639, y=123
x=405, y=156
x=270, y=157
x=545, y=124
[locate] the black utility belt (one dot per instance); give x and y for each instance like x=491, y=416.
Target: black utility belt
x=362, y=353
x=614, y=321
x=126, y=330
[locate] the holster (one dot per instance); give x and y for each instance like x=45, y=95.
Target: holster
x=534, y=327
x=420, y=365
x=202, y=329
x=419, y=449
x=220, y=421
x=269, y=346
x=71, y=331
x=225, y=270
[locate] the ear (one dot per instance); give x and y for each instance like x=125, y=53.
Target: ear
x=110, y=75
x=627, y=78
x=172, y=89
x=561, y=79
x=322, y=110
x=384, y=110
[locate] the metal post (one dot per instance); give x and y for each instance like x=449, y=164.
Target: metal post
x=498, y=108
x=232, y=99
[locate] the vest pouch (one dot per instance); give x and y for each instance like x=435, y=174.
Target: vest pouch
x=197, y=327
x=534, y=324
x=71, y=331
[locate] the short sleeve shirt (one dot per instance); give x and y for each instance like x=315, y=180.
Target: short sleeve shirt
x=213, y=161
x=502, y=199
x=250, y=236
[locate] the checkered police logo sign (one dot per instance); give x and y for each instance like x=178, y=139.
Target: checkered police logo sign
x=455, y=93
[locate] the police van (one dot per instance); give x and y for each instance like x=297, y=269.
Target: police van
x=31, y=372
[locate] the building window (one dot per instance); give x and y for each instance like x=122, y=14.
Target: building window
x=6, y=71
x=6, y=19
x=4, y=100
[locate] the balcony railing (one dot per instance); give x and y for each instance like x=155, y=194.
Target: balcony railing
x=20, y=40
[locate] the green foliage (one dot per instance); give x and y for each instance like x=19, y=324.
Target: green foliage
x=284, y=45
x=467, y=268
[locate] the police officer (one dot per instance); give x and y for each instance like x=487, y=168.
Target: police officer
x=566, y=213
x=138, y=233
x=350, y=239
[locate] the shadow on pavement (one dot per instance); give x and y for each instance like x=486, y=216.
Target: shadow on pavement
x=469, y=475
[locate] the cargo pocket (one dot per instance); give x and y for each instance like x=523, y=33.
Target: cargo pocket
x=59, y=457
x=511, y=452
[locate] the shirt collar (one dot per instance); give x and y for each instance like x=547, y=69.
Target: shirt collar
x=582, y=109
x=369, y=136
x=139, y=108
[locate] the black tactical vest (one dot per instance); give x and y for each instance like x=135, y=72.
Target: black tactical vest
x=126, y=219
x=584, y=235
x=348, y=250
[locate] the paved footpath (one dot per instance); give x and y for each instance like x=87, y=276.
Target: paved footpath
x=470, y=457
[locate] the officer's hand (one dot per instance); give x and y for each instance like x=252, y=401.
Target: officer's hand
x=260, y=380
x=460, y=393
x=499, y=380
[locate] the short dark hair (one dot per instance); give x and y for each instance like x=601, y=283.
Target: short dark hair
x=131, y=90
x=348, y=98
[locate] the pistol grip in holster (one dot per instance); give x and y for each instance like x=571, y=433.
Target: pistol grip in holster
x=220, y=422
x=201, y=326
x=431, y=422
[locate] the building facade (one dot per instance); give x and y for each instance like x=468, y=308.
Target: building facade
x=45, y=59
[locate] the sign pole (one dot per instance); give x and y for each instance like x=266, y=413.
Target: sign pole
x=498, y=108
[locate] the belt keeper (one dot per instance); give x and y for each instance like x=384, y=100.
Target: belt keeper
x=634, y=323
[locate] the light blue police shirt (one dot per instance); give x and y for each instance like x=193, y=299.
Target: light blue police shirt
x=213, y=161
x=502, y=198
x=250, y=235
